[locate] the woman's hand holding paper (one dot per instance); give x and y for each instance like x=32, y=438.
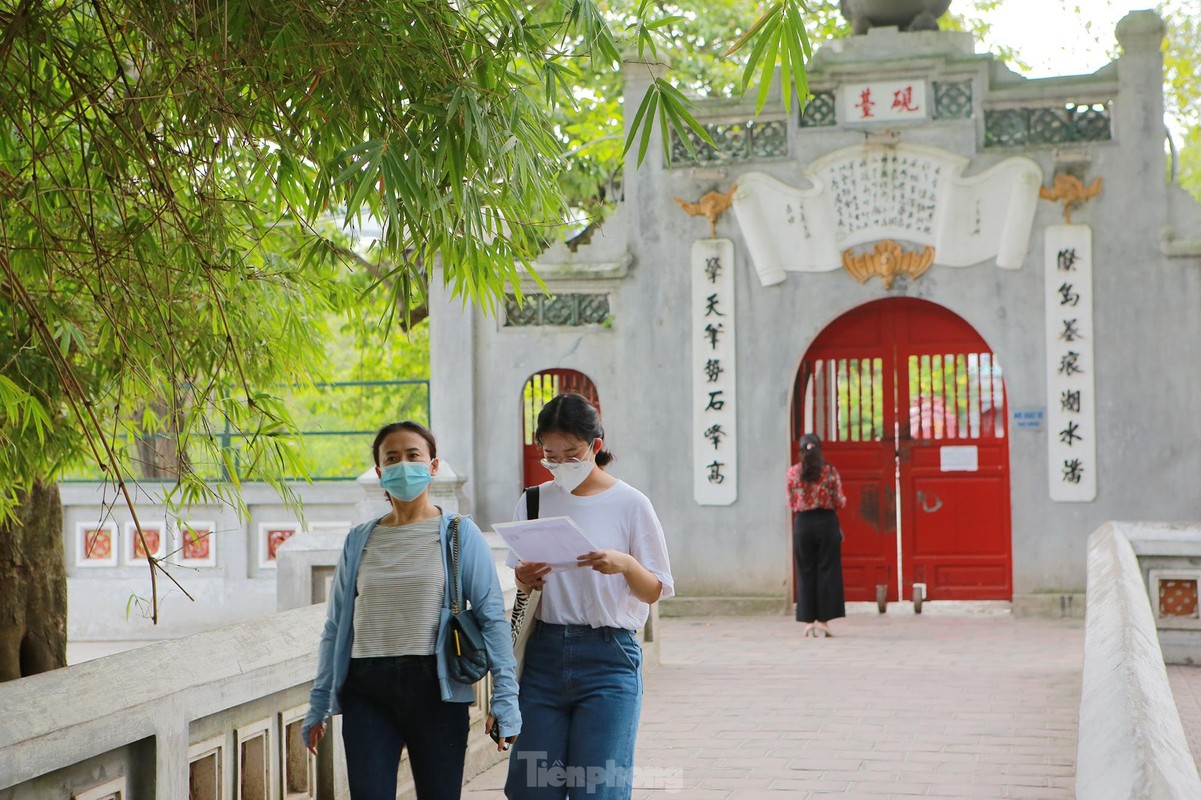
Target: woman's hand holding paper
x=606, y=562
x=532, y=573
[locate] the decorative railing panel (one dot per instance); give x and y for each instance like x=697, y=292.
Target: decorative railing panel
x=736, y=141
x=952, y=99
x=1023, y=127
x=819, y=111
x=572, y=309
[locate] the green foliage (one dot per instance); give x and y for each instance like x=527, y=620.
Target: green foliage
x=692, y=40
x=390, y=383
x=1188, y=168
x=174, y=176
x=368, y=353
x=778, y=36
x=1182, y=76
x=705, y=46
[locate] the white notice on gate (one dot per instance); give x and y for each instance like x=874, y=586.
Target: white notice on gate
x=959, y=459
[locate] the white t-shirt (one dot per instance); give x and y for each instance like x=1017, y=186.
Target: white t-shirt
x=619, y=518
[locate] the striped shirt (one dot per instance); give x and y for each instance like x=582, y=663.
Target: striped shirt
x=400, y=587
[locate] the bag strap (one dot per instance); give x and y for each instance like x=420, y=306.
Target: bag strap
x=456, y=598
x=531, y=503
x=521, y=601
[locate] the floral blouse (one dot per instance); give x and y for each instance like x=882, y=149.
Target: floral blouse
x=826, y=492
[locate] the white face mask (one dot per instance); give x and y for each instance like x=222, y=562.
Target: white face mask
x=569, y=474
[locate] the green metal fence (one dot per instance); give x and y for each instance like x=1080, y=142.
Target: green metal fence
x=337, y=422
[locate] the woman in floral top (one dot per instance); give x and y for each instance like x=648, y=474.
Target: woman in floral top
x=814, y=495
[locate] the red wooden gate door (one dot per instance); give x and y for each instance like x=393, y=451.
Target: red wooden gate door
x=845, y=394
x=910, y=403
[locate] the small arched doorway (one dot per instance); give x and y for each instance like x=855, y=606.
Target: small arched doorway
x=537, y=392
x=910, y=404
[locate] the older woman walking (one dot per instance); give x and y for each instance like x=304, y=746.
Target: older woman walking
x=382, y=657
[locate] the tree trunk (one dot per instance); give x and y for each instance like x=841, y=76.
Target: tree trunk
x=159, y=456
x=33, y=586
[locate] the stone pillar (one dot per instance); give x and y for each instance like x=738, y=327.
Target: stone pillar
x=304, y=564
x=453, y=377
x=374, y=504
x=447, y=490
x=171, y=733
x=1139, y=112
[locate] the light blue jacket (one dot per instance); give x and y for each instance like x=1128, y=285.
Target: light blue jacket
x=481, y=590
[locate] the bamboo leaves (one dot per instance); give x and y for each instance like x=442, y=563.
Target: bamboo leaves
x=779, y=36
x=176, y=179
x=22, y=411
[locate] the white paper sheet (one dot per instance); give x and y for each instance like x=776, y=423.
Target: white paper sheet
x=557, y=541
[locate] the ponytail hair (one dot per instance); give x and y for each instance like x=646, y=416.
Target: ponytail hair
x=811, y=457
x=573, y=415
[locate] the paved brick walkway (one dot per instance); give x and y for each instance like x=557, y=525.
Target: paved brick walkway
x=1186, y=688
x=893, y=706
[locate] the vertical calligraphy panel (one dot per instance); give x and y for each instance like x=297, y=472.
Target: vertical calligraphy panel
x=714, y=416
x=1071, y=366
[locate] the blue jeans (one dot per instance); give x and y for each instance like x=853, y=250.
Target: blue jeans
x=391, y=703
x=581, y=694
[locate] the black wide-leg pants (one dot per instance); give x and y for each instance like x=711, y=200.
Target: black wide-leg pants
x=817, y=546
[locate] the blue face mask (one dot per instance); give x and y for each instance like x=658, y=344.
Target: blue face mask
x=406, y=480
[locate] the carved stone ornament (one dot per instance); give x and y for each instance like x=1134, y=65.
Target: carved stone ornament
x=908, y=15
x=863, y=194
x=711, y=206
x=1071, y=191
x=887, y=260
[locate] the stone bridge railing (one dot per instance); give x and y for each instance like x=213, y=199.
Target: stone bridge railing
x=213, y=716
x=180, y=719
x=1131, y=742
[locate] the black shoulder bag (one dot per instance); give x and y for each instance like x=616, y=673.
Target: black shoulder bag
x=467, y=656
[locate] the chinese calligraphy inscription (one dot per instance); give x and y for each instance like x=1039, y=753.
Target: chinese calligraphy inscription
x=883, y=101
x=887, y=191
x=1071, y=403
x=714, y=392
x=866, y=194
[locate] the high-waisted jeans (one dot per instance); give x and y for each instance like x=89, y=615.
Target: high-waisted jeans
x=392, y=703
x=581, y=695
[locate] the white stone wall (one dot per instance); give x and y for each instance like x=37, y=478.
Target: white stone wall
x=109, y=604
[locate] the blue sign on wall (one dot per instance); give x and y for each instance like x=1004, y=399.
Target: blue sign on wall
x=1028, y=419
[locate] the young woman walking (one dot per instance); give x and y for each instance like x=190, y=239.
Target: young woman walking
x=581, y=686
